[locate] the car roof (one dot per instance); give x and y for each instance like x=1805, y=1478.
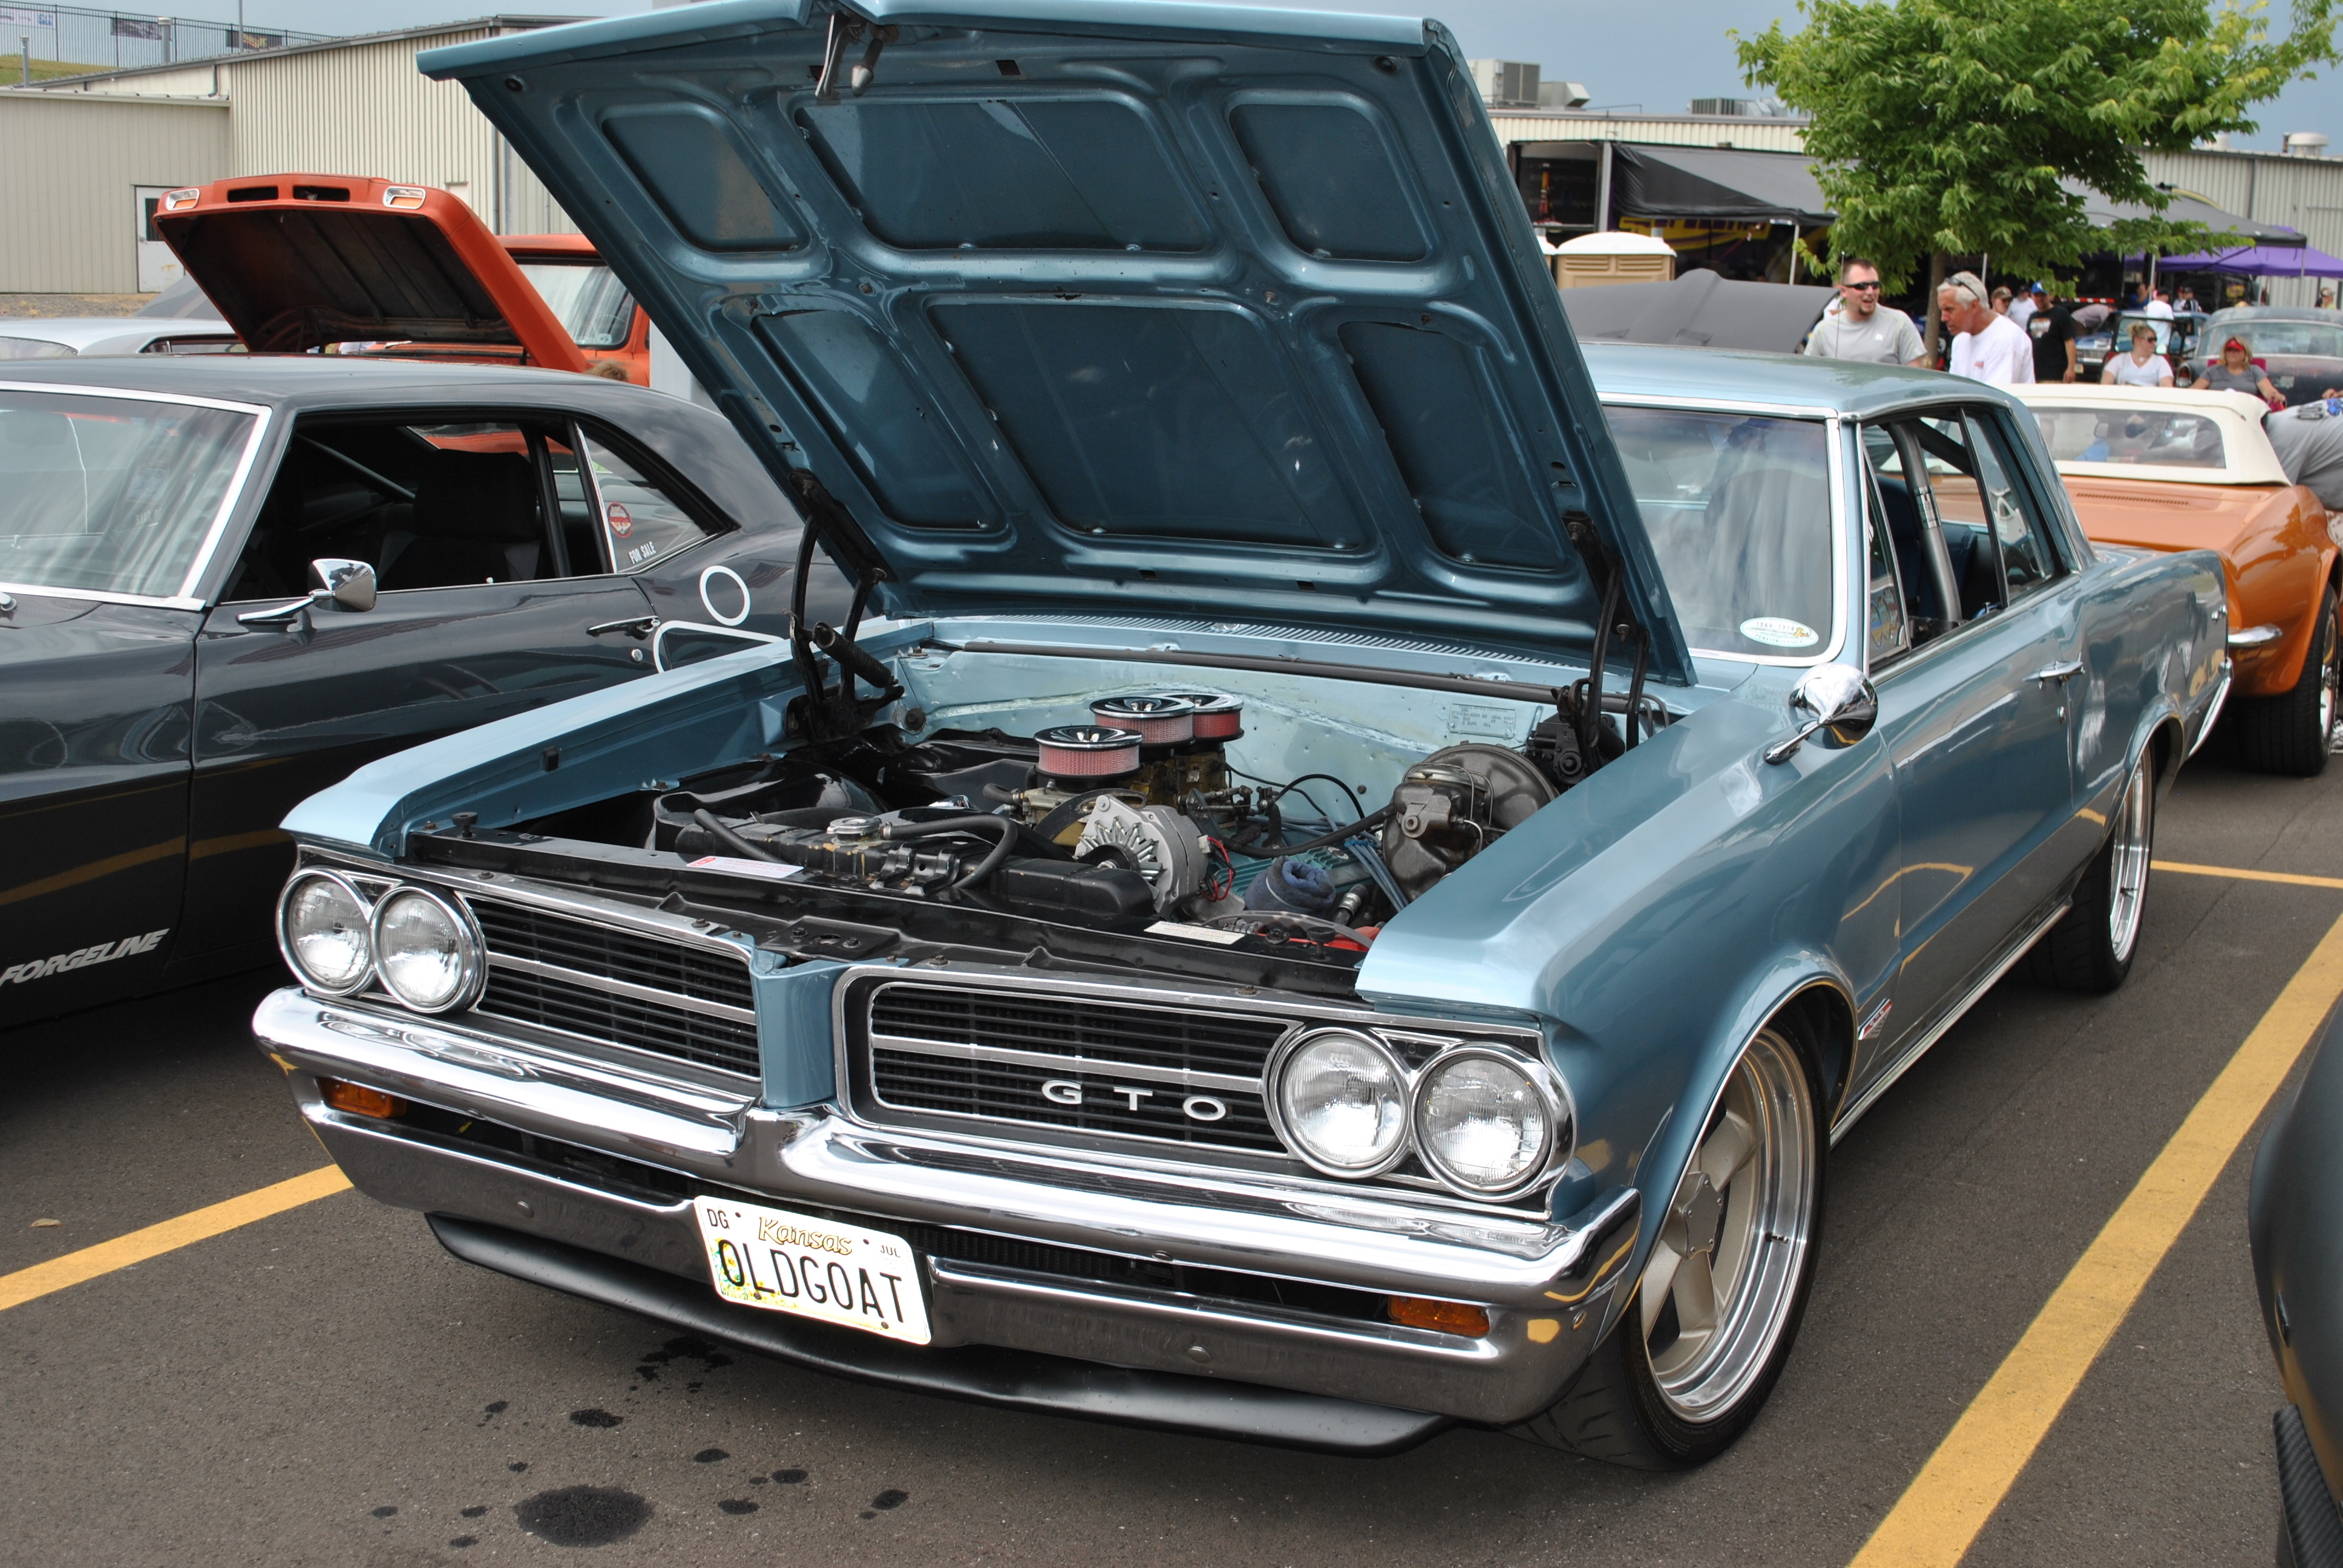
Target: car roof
x=78, y=332
x=2279, y=313
x=2251, y=458
x=1631, y=372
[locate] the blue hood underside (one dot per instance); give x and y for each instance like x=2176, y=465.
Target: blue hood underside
x=1140, y=306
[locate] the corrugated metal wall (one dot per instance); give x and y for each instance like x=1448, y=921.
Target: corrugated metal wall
x=2300, y=193
x=69, y=215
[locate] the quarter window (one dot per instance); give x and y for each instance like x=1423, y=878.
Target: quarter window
x=641, y=524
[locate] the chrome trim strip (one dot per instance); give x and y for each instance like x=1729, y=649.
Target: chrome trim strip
x=1185, y=1078
x=2212, y=710
x=1717, y=405
x=1938, y=1029
x=497, y=960
x=2257, y=635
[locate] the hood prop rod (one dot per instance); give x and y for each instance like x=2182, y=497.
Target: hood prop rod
x=844, y=713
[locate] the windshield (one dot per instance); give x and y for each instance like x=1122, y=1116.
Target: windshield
x=2162, y=437
x=107, y=493
x=1738, y=510
x=592, y=305
x=2160, y=325
x=2319, y=339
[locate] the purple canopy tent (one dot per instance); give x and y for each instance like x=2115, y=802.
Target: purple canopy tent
x=2257, y=261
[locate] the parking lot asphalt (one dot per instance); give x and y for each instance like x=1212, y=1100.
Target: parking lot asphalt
x=327, y=1386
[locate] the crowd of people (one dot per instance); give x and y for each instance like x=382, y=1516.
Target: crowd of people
x=2008, y=338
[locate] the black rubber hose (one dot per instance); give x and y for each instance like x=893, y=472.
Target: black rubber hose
x=903, y=831
x=731, y=841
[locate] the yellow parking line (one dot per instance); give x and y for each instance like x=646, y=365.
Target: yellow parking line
x=1940, y=1514
x=2245, y=876
x=73, y=1268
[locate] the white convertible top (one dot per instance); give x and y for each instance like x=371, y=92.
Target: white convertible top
x=2101, y=432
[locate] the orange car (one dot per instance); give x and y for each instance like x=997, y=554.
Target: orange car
x=298, y=262
x=2168, y=470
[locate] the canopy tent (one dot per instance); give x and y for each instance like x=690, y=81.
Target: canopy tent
x=2257, y=261
x=1725, y=185
x=1699, y=310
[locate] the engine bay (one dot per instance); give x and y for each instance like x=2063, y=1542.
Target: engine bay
x=1129, y=817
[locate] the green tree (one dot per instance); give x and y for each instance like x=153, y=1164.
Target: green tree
x=1952, y=127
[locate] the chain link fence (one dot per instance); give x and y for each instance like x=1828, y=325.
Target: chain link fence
x=70, y=36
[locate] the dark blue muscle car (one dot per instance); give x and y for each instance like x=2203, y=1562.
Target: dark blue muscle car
x=169, y=687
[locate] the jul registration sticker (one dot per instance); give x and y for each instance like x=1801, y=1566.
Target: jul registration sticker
x=787, y=1262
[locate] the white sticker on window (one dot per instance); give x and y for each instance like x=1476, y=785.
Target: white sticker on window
x=1776, y=632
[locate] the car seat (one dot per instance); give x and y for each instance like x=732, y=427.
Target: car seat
x=477, y=518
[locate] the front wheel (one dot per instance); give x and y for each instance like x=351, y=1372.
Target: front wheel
x=1701, y=1343
x=2288, y=734
x=2090, y=950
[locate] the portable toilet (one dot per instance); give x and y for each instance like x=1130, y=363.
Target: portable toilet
x=1612, y=256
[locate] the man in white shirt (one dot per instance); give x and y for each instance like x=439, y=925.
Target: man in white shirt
x=1990, y=348
x=2022, y=309
x=1859, y=329
x=2159, y=305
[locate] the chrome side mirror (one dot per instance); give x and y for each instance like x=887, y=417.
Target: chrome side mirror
x=1835, y=699
x=349, y=584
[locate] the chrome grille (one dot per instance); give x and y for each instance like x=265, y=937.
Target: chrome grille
x=670, y=998
x=1076, y=1063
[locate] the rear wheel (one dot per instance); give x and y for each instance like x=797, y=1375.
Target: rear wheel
x=1701, y=1343
x=2091, y=948
x=2289, y=734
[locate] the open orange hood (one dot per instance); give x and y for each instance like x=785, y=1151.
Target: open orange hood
x=299, y=261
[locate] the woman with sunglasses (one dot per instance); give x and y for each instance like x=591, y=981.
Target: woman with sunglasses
x=2236, y=372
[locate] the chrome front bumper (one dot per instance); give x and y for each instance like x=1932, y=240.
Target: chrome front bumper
x=1547, y=1286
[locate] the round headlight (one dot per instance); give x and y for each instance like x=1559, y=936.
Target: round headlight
x=1483, y=1122
x=1340, y=1100
x=321, y=926
x=424, y=951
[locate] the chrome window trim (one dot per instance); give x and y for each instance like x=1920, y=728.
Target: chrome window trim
x=186, y=598
x=1835, y=438
x=623, y=988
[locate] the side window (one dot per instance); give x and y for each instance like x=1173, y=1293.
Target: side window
x=2028, y=560
x=1899, y=500
x=1962, y=511
x=1888, y=623
x=428, y=504
x=641, y=524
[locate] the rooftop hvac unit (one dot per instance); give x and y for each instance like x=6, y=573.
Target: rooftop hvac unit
x=2305, y=145
x=1735, y=108
x=1506, y=83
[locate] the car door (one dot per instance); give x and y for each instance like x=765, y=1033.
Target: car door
x=496, y=597
x=1976, y=721
x=109, y=504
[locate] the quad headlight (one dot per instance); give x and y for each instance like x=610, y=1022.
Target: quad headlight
x=425, y=950
x=1339, y=1098
x=322, y=929
x=1487, y=1122
x=1483, y=1121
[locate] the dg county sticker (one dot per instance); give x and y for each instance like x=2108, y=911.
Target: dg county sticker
x=1777, y=631
x=787, y=1262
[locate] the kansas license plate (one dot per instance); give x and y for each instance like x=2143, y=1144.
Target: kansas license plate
x=787, y=1262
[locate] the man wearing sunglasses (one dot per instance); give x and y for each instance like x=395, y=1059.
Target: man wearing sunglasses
x=1859, y=329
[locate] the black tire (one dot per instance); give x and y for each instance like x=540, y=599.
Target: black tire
x=1616, y=1409
x=2091, y=949
x=2289, y=735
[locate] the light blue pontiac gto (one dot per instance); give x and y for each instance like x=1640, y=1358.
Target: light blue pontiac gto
x=1350, y=861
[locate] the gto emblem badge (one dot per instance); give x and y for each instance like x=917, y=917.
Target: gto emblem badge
x=1195, y=1106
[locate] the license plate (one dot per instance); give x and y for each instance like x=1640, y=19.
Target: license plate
x=819, y=1269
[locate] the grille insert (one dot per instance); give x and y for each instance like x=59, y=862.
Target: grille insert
x=1076, y=1063
x=676, y=986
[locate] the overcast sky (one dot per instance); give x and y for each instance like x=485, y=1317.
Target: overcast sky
x=1660, y=54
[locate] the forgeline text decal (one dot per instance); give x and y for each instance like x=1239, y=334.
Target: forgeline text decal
x=82, y=957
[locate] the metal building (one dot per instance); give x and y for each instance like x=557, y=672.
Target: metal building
x=86, y=154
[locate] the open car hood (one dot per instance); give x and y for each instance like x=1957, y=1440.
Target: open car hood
x=1150, y=309
x=300, y=261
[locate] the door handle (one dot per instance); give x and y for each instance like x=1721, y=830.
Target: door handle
x=2060, y=672
x=638, y=627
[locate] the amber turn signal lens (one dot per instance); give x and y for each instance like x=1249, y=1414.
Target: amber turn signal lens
x=359, y=1100
x=1447, y=1317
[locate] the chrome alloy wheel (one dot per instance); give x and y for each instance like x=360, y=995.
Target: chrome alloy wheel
x=2330, y=675
x=1723, y=1278
x=2127, y=858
